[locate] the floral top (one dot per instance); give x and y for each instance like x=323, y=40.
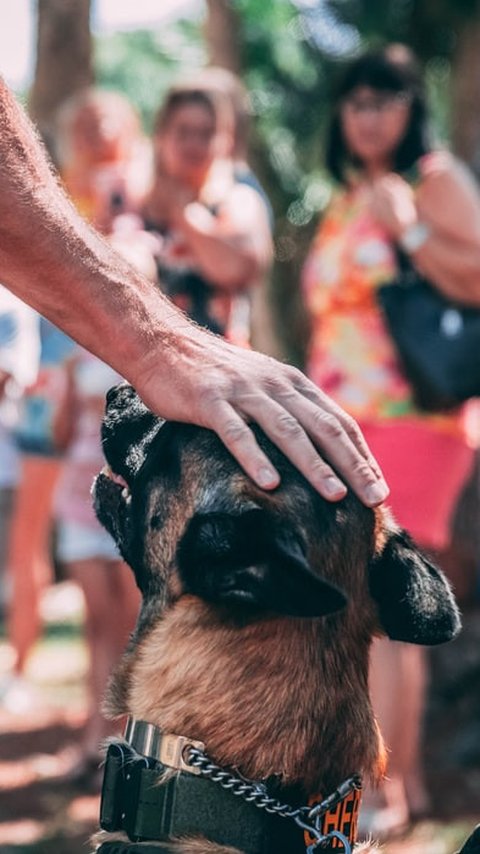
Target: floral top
x=351, y=356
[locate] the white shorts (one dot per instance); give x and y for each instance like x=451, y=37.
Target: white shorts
x=81, y=542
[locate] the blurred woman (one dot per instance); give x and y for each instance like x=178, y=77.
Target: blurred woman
x=104, y=158
x=393, y=190
x=105, y=164
x=30, y=548
x=214, y=236
x=85, y=549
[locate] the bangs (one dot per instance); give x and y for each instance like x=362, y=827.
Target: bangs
x=377, y=72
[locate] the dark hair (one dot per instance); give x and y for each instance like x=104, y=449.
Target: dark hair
x=181, y=96
x=393, y=69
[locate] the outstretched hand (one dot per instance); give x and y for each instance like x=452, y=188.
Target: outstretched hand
x=205, y=380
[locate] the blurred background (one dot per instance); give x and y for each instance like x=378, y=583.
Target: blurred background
x=286, y=54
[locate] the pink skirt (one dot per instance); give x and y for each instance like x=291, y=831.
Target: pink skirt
x=425, y=470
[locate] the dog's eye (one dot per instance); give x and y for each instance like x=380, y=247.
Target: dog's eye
x=156, y=522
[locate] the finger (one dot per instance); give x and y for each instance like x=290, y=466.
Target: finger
x=339, y=444
x=312, y=393
x=296, y=417
x=286, y=432
x=240, y=441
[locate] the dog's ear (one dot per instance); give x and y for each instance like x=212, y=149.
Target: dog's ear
x=415, y=602
x=127, y=430
x=252, y=560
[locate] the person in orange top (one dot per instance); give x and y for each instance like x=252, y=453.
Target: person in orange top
x=104, y=158
x=393, y=190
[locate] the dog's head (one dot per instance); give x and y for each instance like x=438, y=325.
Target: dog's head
x=189, y=521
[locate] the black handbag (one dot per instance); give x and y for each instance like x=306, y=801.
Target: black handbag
x=437, y=340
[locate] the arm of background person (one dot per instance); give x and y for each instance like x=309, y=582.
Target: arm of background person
x=448, y=202
x=54, y=261
x=234, y=248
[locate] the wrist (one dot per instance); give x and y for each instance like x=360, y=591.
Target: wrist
x=414, y=236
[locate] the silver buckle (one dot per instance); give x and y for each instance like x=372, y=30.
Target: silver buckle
x=170, y=750
x=173, y=752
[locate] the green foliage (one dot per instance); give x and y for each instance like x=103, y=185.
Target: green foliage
x=142, y=64
x=291, y=52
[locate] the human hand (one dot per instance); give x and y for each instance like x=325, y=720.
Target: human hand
x=168, y=199
x=202, y=379
x=393, y=204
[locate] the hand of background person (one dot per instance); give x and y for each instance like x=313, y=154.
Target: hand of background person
x=167, y=200
x=393, y=204
x=205, y=380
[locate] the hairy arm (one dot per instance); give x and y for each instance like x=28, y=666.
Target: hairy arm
x=51, y=259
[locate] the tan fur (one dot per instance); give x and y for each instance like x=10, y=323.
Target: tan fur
x=267, y=719
x=202, y=846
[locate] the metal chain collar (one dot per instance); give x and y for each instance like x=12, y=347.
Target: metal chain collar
x=307, y=817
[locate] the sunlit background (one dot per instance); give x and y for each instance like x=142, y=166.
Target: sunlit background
x=287, y=53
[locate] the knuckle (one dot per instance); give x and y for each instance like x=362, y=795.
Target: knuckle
x=288, y=427
x=351, y=427
x=234, y=432
x=319, y=468
x=209, y=392
x=296, y=376
x=328, y=425
x=361, y=469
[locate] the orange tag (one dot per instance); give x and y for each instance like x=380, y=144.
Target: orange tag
x=343, y=817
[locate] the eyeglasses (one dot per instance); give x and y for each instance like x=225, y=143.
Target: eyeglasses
x=381, y=103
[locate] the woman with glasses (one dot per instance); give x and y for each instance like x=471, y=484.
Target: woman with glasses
x=394, y=190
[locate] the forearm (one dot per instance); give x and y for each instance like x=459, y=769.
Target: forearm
x=52, y=260
x=230, y=262
x=453, y=265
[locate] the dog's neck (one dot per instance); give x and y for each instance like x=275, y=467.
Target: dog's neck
x=264, y=697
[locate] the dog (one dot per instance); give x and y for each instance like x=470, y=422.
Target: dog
x=252, y=643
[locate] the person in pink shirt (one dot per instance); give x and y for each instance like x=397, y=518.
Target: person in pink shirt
x=393, y=190
x=85, y=548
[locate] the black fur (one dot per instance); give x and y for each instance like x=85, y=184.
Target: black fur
x=251, y=561
x=248, y=555
x=414, y=602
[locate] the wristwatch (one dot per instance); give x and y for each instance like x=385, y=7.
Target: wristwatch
x=414, y=236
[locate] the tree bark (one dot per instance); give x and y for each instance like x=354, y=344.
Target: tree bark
x=465, y=132
x=64, y=60
x=222, y=26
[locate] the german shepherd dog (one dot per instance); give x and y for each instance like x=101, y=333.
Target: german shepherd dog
x=254, y=632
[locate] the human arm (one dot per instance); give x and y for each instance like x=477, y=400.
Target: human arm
x=233, y=249
x=448, y=203
x=66, y=412
x=54, y=261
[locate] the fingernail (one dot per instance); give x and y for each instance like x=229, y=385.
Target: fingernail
x=377, y=492
x=333, y=487
x=267, y=478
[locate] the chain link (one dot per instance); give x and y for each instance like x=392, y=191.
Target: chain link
x=307, y=817
x=253, y=793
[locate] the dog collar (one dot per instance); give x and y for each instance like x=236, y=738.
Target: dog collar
x=170, y=750
x=184, y=805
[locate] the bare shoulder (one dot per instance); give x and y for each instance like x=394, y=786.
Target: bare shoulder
x=447, y=193
x=245, y=210
x=441, y=171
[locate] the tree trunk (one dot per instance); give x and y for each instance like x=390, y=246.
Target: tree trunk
x=466, y=92
x=222, y=26
x=64, y=60
x=223, y=39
